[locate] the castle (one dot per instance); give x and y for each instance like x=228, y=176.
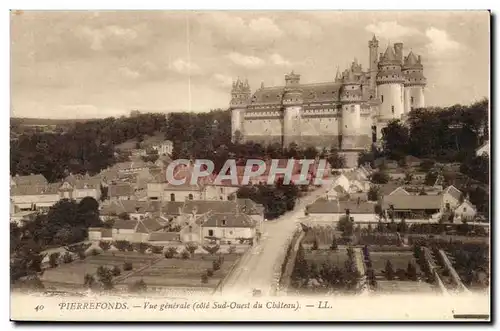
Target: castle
x=348, y=113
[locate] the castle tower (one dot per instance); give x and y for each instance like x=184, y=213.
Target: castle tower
x=415, y=82
x=390, y=89
x=373, y=68
x=292, y=102
x=240, y=94
x=351, y=96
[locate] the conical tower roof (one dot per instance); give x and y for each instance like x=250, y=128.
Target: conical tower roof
x=411, y=60
x=389, y=54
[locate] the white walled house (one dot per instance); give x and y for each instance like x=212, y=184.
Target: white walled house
x=27, y=197
x=484, y=149
x=465, y=211
x=332, y=211
x=228, y=226
x=451, y=198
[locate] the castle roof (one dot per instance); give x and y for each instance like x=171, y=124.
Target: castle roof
x=411, y=59
x=389, y=56
x=310, y=92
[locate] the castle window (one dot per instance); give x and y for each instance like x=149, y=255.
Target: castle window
x=382, y=97
x=392, y=108
x=411, y=100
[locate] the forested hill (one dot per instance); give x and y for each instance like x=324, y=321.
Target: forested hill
x=88, y=146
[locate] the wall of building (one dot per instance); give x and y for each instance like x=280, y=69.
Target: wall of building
x=237, y=116
x=229, y=233
x=183, y=195
x=417, y=93
x=291, y=124
x=393, y=96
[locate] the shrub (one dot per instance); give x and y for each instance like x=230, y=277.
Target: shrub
x=127, y=266
x=89, y=281
x=67, y=257
x=204, y=279
x=171, y=252
x=373, y=193
x=53, y=258
x=157, y=249
x=185, y=255
x=216, y=265
x=141, y=247
x=334, y=245
x=95, y=252
x=211, y=249
x=121, y=245
x=116, y=271
x=231, y=249
x=130, y=247
x=104, y=245
x=379, y=177
x=191, y=247
x=210, y=272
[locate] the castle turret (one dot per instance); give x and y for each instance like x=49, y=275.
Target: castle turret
x=240, y=94
x=292, y=101
x=373, y=68
x=390, y=82
x=415, y=82
x=351, y=97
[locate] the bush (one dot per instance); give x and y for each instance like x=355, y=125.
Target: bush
x=211, y=249
x=116, y=271
x=379, y=177
x=157, y=249
x=127, y=266
x=104, y=245
x=138, y=286
x=95, y=252
x=334, y=245
x=141, y=247
x=67, y=257
x=204, y=279
x=216, y=265
x=373, y=193
x=191, y=247
x=185, y=255
x=231, y=249
x=130, y=247
x=170, y=252
x=121, y=245
x=53, y=258
x=210, y=272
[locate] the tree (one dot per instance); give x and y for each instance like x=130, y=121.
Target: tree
x=67, y=257
x=105, y=277
x=185, y=255
x=373, y=193
x=116, y=271
x=170, y=252
x=191, y=247
x=231, y=249
x=411, y=271
x=336, y=160
x=204, y=278
x=210, y=272
x=124, y=216
x=127, y=266
x=389, y=271
x=104, y=245
x=157, y=249
x=379, y=177
x=141, y=247
x=53, y=259
x=315, y=245
x=121, y=245
x=408, y=177
x=89, y=281
x=395, y=140
x=334, y=245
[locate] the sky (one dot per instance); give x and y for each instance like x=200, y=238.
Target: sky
x=85, y=64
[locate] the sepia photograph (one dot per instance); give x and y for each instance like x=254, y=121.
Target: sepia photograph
x=221, y=165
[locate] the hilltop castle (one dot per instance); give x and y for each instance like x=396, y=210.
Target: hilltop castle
x=347, y=113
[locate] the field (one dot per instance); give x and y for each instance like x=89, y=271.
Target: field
x=320, y=256
x=153, y=269
x=399, y=260
x=183, y=273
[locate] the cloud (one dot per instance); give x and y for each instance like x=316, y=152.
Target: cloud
x=128, y=73
x=101, y=37
x=440, y=42
x=184, y=67
x=391, y=30
x=278, y=60
x=302, y=29
x=247, y=61
x=223, y=80
x=264, y=25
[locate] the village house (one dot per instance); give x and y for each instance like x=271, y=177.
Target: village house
x=33, y=180
x=136, y=210
x=399, y=191
x=121, y=191
x=131, y=167
x=129, y=230
x=164, y=148
x=484, y=149
x=35, y=197
x=412, y=206
x=23, y=217
x=466, y=211
x=452, y=197
x=229, y=226
x=331, y=211
x=77, y=187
